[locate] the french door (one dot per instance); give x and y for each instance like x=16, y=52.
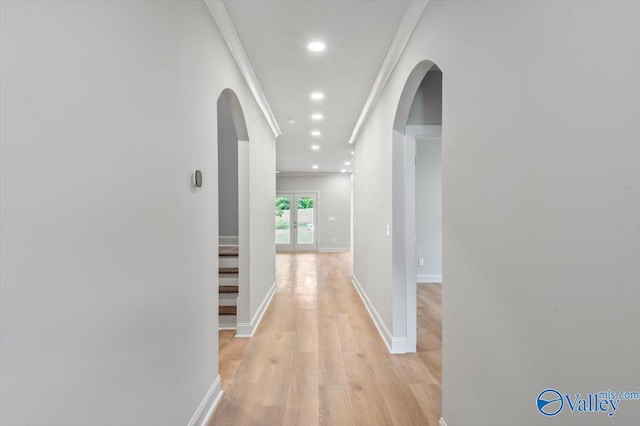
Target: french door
x=296, y=228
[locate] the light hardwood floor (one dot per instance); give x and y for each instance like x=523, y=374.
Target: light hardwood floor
x=317, y=357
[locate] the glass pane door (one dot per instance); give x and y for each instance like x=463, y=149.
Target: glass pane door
x=284, y=219
x=296, y=222
x=305, y=222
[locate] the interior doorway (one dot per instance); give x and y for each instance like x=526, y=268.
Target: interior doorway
x=417, y=192
x=296, y=221
x=417, y=215
x=233, y=213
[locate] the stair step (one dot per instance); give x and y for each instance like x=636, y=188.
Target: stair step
x=228, y=270
x=225, y=251
x=227, y=310
x=228, y=289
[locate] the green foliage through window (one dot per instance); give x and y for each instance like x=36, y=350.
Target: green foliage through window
x=281, y=205
x=305, y=203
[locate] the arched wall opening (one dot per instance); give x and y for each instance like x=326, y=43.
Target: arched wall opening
x=417, y=140
x=233, y=213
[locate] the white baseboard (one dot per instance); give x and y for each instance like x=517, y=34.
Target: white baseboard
x=441, y=422
x=429, y=278
x=226, y=327
x=247, y=330
x=396, y=345
x=231, y=240
x=207, y=407
x=334, y=249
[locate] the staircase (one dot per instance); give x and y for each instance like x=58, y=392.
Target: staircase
x=228, y=285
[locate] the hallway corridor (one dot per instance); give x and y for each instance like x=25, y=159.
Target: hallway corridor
x=317, y=357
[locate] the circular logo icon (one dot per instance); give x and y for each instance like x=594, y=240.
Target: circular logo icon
x=550, y=402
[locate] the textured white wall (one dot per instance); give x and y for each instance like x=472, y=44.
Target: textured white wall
x=108, y=278
x=540, y=203
x=334, y=200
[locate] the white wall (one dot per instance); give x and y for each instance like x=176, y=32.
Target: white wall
x=540, y=203
x=334, y=200
x=227, y=172
x=108, y=278
x=427, y=104
x=429, y=209
x=262, y=195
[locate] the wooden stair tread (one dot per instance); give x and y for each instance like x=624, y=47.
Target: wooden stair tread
x=228, y=270
x=228, y=251
x=228, y=289
x=227, y=310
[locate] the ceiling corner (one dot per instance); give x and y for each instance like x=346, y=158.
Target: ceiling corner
x=222, y=19
x=407, y=25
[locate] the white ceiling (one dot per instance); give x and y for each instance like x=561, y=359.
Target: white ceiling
x=275, y=34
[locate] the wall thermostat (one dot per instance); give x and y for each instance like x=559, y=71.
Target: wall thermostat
x=197, y=179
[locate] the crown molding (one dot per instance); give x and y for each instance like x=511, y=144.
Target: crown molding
x=412, y=15
x=222, y=19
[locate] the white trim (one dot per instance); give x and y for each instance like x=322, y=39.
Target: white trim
x=230, y=35
x=334, y=249
x=395, y=345
x=428, y=132
x=409, y=21
x=247, y=330
x=207, y=407
x=226, y=327
x=441, y=422
x=429, y=278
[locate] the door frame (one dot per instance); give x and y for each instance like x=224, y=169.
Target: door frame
x=316, y=228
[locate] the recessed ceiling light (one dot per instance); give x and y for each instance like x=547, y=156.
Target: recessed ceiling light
x=316, y=46
x=343, y=171
x=317, y=116
x=317, y=96
x=315, y=166
x=315, y=147
x=347, y=163
x=291, y=119
x=316, y=133
x=353, y=152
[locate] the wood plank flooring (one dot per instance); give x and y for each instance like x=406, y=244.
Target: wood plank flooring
x=317, y=358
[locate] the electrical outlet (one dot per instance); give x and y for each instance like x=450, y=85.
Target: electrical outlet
x=421, y=262
x=333, y=240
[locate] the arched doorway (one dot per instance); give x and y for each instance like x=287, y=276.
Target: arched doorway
x=417, y=128
x=233, y=213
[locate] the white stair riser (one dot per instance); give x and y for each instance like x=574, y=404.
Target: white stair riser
x=228, y=279
x=228, y=262
x=228, y=299
x=227, y=321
